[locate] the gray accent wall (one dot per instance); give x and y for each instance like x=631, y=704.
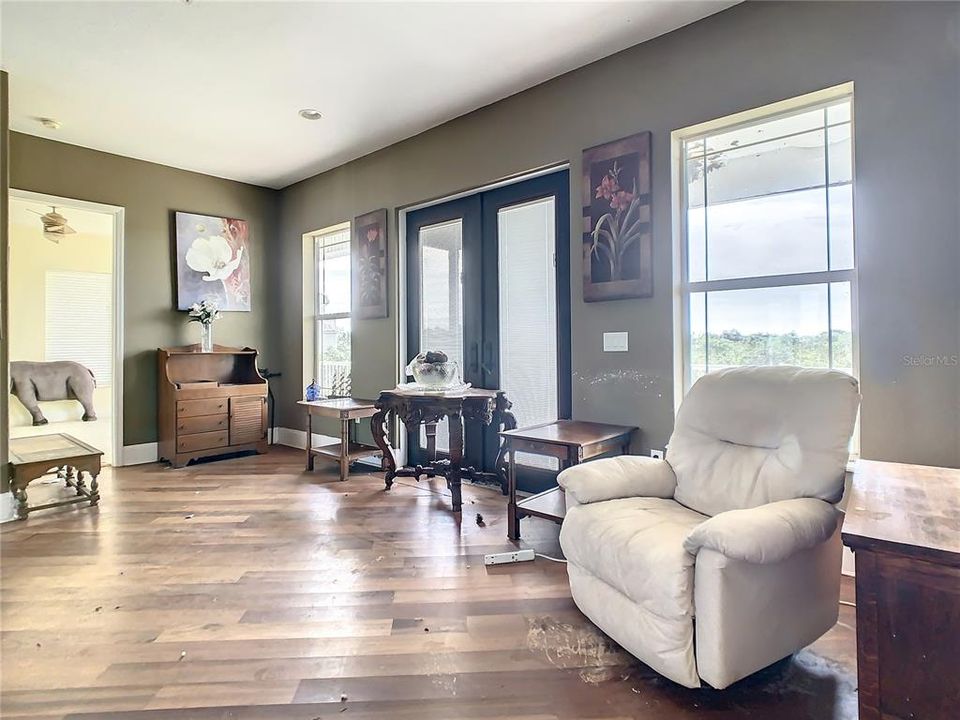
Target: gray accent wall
x=904, y=59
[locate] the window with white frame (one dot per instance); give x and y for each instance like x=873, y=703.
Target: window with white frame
x=767, y=243
x=332, y=327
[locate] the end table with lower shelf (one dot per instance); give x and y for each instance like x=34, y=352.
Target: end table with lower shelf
x=38, y=455
x=348, y=449
x=571, y=442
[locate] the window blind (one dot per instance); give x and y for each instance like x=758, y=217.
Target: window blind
x=78, y=321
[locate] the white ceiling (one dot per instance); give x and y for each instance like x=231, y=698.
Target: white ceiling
x=215, y=86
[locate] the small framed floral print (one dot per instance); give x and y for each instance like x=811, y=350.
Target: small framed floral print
x=369, y=266
x=617, y=235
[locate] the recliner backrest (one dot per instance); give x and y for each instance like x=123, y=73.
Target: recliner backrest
x=749, y=436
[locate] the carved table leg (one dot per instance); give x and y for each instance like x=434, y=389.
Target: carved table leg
x=20, y=493
x=378, y=428
x=94, y=490
x=455, y=423
x=80, y=484
x=430, y=430
x=506, y=420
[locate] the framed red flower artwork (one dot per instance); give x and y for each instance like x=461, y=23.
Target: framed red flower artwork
x=617, y=235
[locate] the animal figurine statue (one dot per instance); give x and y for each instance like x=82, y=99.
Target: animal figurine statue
x=59, y=380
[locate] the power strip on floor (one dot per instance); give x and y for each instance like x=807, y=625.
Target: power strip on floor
x=508, y=557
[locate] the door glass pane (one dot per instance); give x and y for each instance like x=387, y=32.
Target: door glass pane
x=441, y=299
x=528, y=314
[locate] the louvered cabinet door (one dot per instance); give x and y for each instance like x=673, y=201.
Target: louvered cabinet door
x=246, y=420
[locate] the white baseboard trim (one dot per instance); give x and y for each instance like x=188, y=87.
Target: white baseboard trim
x=139, y=454
x=298, y=439
x=7, y=505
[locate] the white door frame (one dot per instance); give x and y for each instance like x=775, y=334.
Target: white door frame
x=117, y=212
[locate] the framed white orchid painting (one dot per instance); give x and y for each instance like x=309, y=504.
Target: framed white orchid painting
x=213, y=261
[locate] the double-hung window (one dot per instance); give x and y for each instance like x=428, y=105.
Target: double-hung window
x=332, y=329
x=766, y=248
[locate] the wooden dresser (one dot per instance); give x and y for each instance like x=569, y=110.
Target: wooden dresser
x=903, y=524
x=209, y=403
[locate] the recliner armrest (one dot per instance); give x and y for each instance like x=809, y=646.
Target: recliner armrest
x=613, y=478
x=768, y=533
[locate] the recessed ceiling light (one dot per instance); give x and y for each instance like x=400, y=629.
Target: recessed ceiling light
x=310, y=114
x=48, y=122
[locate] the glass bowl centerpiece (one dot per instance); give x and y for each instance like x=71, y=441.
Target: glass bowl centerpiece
x=434, y=370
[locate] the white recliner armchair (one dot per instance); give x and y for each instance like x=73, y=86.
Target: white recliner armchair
x=725, y=557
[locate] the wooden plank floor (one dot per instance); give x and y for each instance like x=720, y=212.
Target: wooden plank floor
x=247, y=589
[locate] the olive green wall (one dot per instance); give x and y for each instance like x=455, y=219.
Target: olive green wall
x=4, y=198
x=149, y=193
x=903, y=58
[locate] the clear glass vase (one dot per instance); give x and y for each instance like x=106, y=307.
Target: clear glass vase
x=206, y=337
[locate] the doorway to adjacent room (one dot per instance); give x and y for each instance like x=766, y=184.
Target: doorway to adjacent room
x=65, y=331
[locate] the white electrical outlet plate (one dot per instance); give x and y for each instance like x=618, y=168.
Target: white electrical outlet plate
x=508, y=557
x=615, y=341
x=658, y=454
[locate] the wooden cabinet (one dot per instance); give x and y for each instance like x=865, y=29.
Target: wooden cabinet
x=903, y=524
x=209, y=403
x=246, y=420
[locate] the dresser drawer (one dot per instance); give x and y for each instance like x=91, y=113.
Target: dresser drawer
x=201, y=441
x=201, y=423
x=561, y=452
x=192, y=408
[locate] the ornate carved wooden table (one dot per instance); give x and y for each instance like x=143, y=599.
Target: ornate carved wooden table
x=34, y=457
x=487, y=407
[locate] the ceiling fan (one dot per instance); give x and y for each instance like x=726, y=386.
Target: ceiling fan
x=54, y=225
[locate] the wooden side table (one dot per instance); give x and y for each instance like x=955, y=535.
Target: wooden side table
x=346, y=410
x=34, y=457
x=571, y=442
x=903, y=524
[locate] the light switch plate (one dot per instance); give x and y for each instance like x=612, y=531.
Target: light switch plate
x=615, y=342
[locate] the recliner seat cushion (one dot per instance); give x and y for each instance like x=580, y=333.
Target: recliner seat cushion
x=748, y=436
x=635, y=545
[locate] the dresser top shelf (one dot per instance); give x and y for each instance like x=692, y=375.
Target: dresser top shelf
x=225, y=367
